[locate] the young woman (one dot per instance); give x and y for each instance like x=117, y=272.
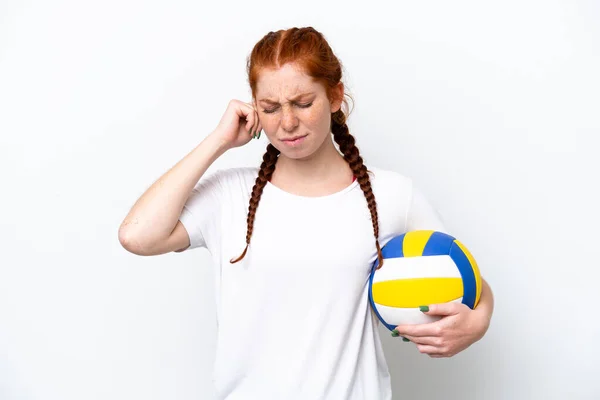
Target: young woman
x=294, y=240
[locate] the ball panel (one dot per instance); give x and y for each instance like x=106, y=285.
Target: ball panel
x=468, y=275
x=439, y=243
x=475, y=267
x=374, y=306
x=417, y=267
x=422, y=268
x=417, y=292
x=393, y=248
x=399, y=316
x=414, y=242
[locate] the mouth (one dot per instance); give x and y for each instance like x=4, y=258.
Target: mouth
x=294, y=141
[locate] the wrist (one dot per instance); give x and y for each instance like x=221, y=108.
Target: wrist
x=216, y=144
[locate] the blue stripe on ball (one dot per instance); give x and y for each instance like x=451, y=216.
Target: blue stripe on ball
x=438, y=244
x=467, y=273
x=393, y=248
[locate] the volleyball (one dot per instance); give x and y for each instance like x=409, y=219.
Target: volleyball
x=421, y=268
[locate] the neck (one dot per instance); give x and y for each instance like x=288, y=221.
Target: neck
x=324, y=165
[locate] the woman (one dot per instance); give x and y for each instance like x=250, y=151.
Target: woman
x=294, y=241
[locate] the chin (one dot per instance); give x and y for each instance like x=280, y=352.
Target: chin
x=300, y=154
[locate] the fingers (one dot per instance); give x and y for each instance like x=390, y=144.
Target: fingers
x=427, y=340
x=434, y=347
x=255, y=127
x=420, y=330
x=243, y=111
x=443, y=309
x=259, y=130
x=250, y=116
x=255, y=133
x=432, y=351
x=258, y=126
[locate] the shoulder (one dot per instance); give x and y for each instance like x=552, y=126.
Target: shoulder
x=387, y=182
x=392, y=190
x=231, y=177
x=224, y=185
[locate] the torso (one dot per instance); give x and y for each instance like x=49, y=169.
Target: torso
x=294, y=317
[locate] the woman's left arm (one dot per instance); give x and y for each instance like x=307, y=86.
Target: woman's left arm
x=458, y=328
x=485, y=308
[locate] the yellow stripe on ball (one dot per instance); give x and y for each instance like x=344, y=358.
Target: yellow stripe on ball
x=417, y=292
x=414, y=243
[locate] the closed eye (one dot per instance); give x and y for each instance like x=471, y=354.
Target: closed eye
x=272, y=110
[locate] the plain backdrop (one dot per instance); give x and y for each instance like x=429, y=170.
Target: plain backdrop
x=492, y=107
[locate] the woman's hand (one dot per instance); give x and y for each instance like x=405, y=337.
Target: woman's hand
x=458, y=328
x=238, y=125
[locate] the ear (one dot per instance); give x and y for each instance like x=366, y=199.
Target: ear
x=338, y=97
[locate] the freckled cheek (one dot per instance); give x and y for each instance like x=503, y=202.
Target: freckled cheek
x=268, y=123
x=317, y=119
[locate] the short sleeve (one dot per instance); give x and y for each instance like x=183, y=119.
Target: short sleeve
x=422, y=215
x=201, y=212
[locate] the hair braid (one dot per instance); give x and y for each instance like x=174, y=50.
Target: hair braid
x=264, y=175
x=352, y=156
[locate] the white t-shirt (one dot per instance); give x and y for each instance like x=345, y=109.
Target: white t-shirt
x=294, y=318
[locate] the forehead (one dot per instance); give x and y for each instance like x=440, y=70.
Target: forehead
x=284, y=82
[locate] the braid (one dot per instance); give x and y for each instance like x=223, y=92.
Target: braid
x=348, y=148
x=264, y=175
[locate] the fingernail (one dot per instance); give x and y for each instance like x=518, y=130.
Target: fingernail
x=395, y=333
x=424, y=308
x=405, y=339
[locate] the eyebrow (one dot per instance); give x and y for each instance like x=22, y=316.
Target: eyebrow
x=292, y=99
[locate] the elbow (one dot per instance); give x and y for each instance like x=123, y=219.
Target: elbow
x=130, y=242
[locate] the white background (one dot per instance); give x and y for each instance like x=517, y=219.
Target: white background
x=492, y=107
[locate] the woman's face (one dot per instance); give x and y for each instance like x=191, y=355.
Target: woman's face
x=294, y=111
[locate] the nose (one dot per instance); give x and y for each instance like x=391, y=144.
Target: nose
x=289, y=122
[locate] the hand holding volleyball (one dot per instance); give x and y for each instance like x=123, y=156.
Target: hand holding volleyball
x=458, y=327
x=426, y=291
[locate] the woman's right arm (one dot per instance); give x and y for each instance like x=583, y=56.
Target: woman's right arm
x=152, y=225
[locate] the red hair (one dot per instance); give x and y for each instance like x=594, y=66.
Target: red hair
x=308, y=49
